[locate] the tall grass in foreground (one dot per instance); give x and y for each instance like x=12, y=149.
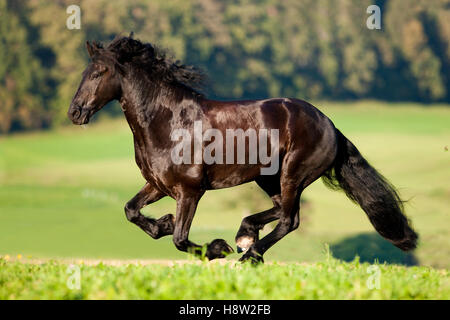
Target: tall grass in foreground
x=326, y=280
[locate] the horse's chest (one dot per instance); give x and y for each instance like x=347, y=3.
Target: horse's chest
x=144, y=162
x=151, y=166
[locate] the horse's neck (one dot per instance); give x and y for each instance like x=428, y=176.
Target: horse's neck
x=147, y=117
x=148, y=109
x=130, y=113
x=138, y=103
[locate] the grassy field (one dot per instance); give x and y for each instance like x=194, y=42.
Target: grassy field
x=62, y=194
x=330, y=279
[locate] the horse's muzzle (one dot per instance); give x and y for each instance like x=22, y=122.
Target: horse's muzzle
x=79, y=115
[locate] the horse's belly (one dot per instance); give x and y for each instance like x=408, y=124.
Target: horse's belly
x=225, y=176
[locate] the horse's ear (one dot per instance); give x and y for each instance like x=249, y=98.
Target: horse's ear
x=90, y=49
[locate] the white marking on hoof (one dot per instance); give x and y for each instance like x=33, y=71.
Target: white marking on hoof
x=244, y=242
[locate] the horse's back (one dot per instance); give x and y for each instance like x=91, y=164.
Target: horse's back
x=305, y=133
x=298, y=121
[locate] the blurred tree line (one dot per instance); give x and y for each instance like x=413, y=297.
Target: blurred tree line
x=310, y=49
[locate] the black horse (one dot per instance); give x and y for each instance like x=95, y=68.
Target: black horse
x=159, y=96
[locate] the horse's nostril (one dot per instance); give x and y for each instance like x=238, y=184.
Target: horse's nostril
x=76, y=112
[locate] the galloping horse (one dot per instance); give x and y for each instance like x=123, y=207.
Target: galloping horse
x=158, y=96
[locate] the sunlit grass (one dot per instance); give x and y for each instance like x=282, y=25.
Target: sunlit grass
x=330, y=279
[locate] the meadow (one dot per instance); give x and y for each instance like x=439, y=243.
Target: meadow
x=330, y=279
x=62, y=194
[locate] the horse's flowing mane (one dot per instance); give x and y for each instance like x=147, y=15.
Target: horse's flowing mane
x=169, y=80
x=155, y=62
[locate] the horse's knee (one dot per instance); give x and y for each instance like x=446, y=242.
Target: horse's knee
x=180, y=243
x=284, y=226
x=246, y=224
x=131, y=213
x=295, y=223
x=290, y=224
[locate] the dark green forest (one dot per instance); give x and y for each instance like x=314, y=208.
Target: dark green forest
x=309, y=49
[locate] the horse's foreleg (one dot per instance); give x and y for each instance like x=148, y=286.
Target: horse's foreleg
x=154, y=228
x=186, y=206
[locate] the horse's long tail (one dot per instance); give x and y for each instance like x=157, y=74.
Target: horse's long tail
x=376, y=196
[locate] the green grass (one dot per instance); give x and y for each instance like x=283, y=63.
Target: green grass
x=62, y=193
x=325, y=280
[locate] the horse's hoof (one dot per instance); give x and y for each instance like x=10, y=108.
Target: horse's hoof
x=218, y=248
x=252, y=256
x=243, y=243
x=166, y=225
x=168, y=218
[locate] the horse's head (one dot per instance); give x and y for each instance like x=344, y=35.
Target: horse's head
x=100, y=84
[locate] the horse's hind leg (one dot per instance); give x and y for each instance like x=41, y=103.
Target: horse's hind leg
x=289, y=221
x=249, y=230
x=294, y=179
x=154, y=228
x=248, y=233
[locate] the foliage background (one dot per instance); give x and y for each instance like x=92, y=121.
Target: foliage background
x=310, y=49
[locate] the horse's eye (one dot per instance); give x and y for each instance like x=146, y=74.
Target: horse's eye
x=95, y=74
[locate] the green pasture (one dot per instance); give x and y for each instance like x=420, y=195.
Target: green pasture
x=330, y=279
x=62, y=194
